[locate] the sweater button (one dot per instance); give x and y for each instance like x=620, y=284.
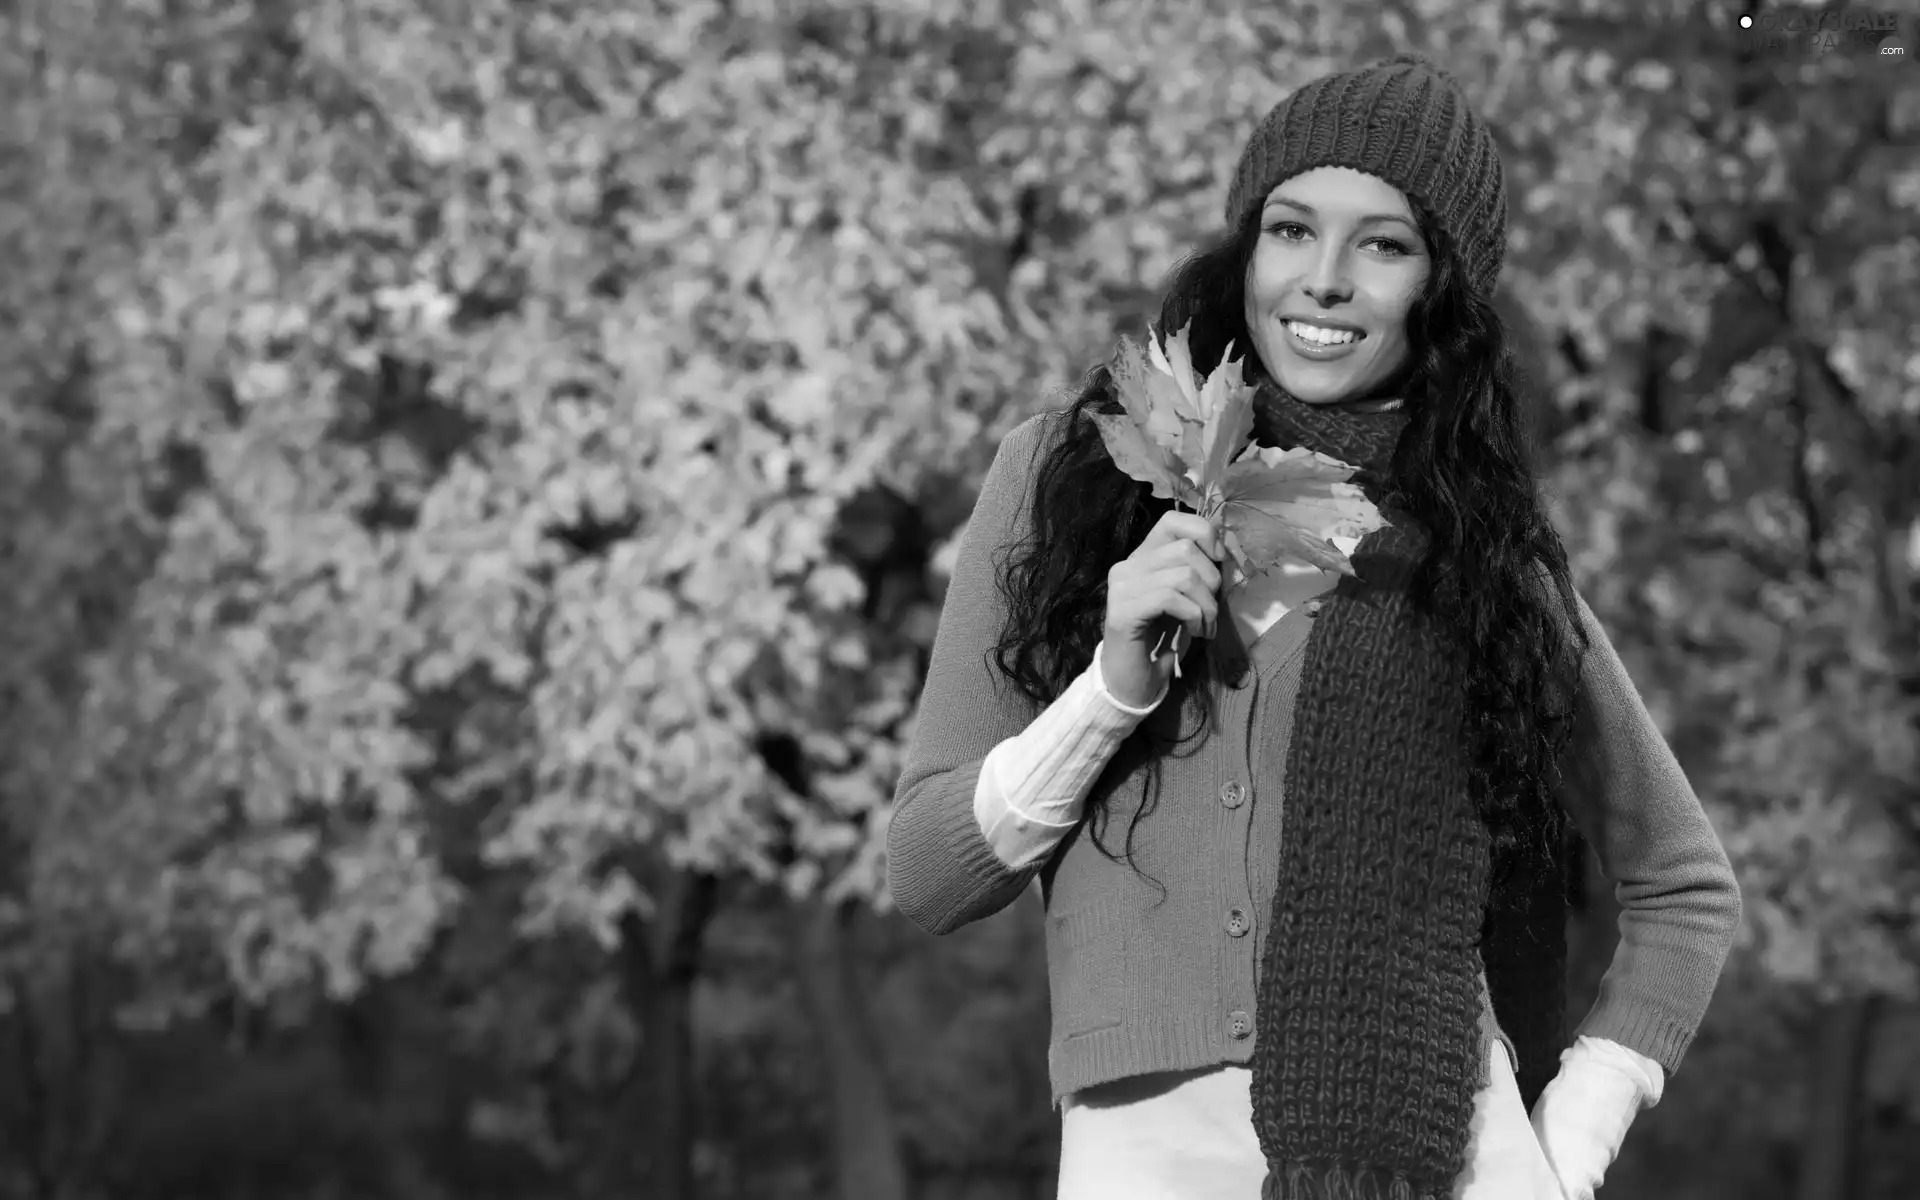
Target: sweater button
x=1240, y=1025
x=1237, y=923
x=1234, y=794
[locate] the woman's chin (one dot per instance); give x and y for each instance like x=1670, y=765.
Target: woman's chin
x=1319, y=387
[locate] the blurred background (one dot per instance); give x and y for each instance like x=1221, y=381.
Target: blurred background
x=478, y=482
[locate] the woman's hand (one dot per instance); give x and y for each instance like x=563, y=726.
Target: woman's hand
x=1172, y=579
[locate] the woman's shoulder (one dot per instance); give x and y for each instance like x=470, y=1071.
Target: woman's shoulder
x=1022, y=447
x=1039, y=431
x=1006, y=487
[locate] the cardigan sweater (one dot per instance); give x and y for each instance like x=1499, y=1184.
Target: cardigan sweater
x=1148, y=978
x=1192, y=1134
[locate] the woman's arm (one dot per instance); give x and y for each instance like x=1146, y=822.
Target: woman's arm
x=1680, y=908
x=941, y=870
x=1680, y=904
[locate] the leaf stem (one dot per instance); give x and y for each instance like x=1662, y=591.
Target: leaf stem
x=1161, y=647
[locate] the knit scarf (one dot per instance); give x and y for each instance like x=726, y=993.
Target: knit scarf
x=1368, y=1051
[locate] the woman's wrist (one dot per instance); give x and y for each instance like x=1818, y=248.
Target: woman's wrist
x=1126, y=689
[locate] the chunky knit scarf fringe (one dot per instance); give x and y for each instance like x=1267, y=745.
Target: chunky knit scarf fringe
x=1300, y=1182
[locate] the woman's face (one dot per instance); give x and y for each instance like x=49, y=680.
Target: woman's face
x=1338, y=267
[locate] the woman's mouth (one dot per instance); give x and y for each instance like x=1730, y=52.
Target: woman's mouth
x=1320, y=341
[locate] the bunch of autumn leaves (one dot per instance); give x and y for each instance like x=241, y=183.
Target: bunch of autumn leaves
x=1191, y=440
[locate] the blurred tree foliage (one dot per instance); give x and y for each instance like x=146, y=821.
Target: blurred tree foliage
x=476, y=491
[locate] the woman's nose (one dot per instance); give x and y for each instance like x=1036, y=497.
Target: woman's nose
x=1328, y=295
x=1327, y=283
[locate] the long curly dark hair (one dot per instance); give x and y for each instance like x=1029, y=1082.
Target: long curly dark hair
x=1492, y=573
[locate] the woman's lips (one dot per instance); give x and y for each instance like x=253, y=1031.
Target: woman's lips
x=1318, y=351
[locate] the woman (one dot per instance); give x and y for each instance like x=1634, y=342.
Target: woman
x=1267, y=879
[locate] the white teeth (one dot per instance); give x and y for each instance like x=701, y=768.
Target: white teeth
x=1319, y=336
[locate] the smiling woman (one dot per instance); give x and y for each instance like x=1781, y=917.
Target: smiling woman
x=1277, y=983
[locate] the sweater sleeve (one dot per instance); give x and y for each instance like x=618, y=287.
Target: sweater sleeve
x=1680, y=903
x=941, y=871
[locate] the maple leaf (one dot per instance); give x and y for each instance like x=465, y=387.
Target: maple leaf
x=1226, y=407
x=1136, y=453
x=1280, y=504
x=1191, y=440
x=1161, y=408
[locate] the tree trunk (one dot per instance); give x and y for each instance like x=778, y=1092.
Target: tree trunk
x=368, y=1039
x=659, y=964
x=63, y=1104
x=1830, y=1154
x=866, y=1142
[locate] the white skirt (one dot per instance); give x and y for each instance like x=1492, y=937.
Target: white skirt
x=1190, y=1137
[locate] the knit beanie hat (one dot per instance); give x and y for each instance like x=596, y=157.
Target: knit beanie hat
x=1402, y=120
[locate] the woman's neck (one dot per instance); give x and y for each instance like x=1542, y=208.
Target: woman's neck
x=1362, y=432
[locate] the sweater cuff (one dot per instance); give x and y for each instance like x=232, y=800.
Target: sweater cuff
x=949, y=874
x=1638, y=1025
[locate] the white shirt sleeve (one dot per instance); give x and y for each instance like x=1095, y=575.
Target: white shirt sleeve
x=1583, y=1114
x=1033, y=787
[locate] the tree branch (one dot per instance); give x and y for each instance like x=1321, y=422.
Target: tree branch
x=1803, y=486
x=1720, y=254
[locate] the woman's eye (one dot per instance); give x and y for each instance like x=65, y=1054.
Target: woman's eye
x=1293, y=231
